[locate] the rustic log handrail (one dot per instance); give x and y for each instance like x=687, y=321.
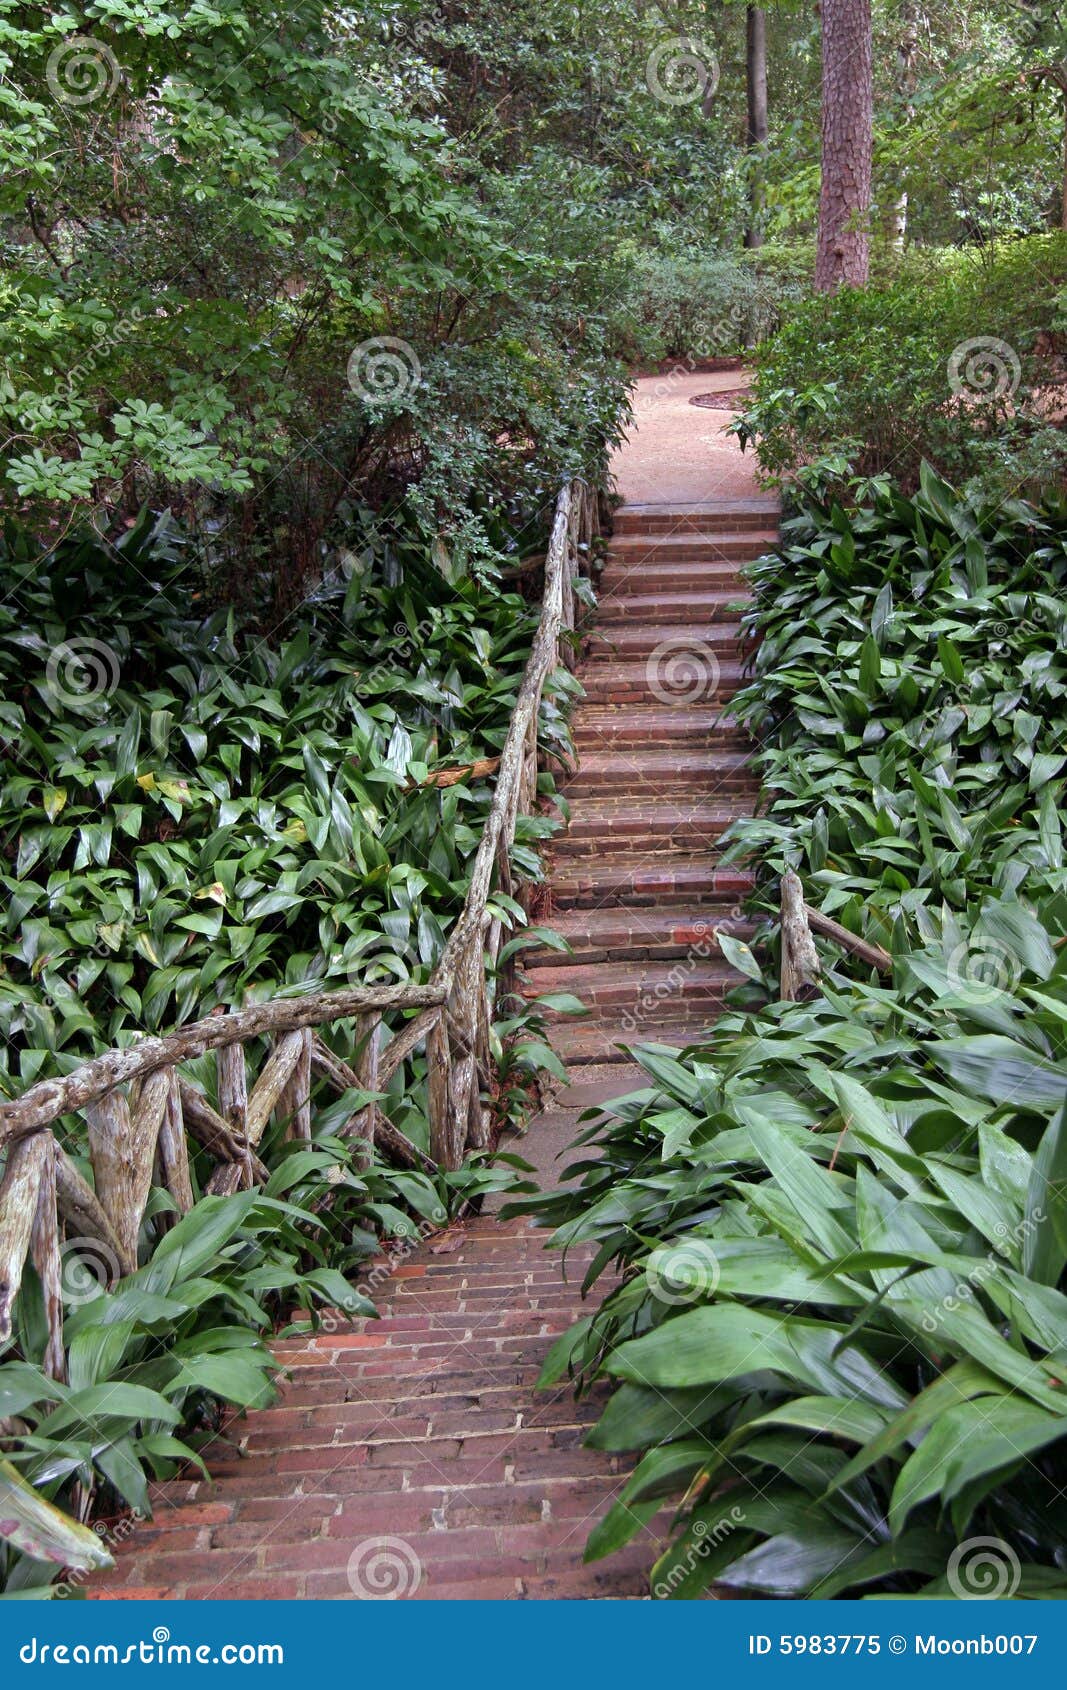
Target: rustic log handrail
x=800, y=965
x=140, y=1112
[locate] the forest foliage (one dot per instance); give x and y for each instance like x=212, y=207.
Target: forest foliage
x=307, y=312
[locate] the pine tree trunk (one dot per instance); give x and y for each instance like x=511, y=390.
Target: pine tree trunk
x=756, y=130
x=847, y=118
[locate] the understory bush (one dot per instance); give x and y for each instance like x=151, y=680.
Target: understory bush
x=959, y=360
x=839, y=1334
x=694, y=305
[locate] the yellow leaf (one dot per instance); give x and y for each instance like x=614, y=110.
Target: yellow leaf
x=54, y=799
x=146, y=782
x=216, y=892
x=147, y=949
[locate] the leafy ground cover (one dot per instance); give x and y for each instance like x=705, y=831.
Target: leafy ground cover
x=196, y=814
x=838, y=1341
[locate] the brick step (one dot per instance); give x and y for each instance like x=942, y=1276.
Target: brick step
x=689, y=547
x=637, y=879
x=667, y=642
x=599, y=727
x=605, y=825
x=711, y=516
x=657, y=992
x=677, y=680
x=657, y=933
x=657, y=773
x=582, y=1045
x=602, y=1085
x=639, y=581
x=687, y=609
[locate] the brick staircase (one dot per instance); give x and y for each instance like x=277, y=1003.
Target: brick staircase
x=412, y=1456
x=636, y=885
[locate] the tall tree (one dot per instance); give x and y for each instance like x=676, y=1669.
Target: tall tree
x=756, y=127
x=847, y=124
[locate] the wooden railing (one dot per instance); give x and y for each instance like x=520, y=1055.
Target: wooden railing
x=140, y=1111
x=800, y=965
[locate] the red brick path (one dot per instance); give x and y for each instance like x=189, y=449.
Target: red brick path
x=412, y=1455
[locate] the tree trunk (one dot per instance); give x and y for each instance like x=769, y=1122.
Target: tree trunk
x=842, y=256
x=756, y=129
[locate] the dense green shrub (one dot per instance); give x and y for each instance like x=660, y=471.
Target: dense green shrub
x=194, y=815
x=693, y=305
x=243, y=277
x=950, y=362
x=842, y=1222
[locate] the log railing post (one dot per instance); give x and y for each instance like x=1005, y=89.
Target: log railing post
x=439, y=1094
x=46, y=1258
x=800, y=960
x=294, y=1103
x=364, y=1122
